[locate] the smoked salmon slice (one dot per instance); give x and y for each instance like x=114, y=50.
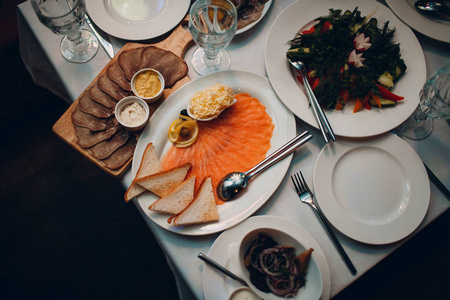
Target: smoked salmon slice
x=236, y=141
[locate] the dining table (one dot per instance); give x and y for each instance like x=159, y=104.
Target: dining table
x=39, y=49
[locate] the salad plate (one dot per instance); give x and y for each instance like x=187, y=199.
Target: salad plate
x=364, y=123
x=435, y=29
x=225, y=248
x=373, y=190
x=139, y=19
x=262, y=186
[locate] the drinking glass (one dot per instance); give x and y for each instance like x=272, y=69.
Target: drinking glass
x=66, y=17
x=212, y=24
x=434, y=104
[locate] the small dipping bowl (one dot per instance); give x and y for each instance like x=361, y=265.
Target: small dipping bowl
x=314, y=283
x=244, y=293
x=139, y=122
x=155, y=96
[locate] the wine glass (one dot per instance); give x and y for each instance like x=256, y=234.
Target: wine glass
x=212, y=24
x=66, y=17
x=434, y=104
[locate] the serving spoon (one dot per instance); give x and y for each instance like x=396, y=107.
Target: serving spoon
x=435, y=9
x=233, y=183
x=321, y=118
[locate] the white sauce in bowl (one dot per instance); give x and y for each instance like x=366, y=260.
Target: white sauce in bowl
x=133, y=114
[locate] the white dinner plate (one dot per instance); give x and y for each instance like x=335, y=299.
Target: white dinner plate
x=364, y=123
x=137, y=19
x=219, y=286
x=435, y=29
x=375, y=191
x=260, y=188
x=266, y=8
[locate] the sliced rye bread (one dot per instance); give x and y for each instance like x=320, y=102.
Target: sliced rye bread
x=203, y=209
x=176, y=201
x=149, y=165
x=165, y=182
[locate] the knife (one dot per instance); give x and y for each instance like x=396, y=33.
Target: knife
x=431, y=175
x=105, y=44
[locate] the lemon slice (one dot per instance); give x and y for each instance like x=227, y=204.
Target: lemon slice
x=175, y=129
x=187, y=134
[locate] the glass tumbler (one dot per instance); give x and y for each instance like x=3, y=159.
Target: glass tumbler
x=212, y=24
x=434, y=104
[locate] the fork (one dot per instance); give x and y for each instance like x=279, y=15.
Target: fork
x=306, y=196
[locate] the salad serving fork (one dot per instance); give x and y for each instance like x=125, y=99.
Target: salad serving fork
x=306, y=196
x=324, y=125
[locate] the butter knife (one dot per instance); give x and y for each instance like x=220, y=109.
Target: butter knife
x=105, y=44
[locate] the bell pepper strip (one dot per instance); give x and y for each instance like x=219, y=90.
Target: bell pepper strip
x=326, y=27
x=367, y=106
x=360, y=102
x=387, y=94
x=311, y=30
x=315, y=83
x=375, y=97
x=358, y=105
x=343, y=97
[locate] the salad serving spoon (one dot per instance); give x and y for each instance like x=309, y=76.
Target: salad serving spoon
x=321, y=118
x=435, y=9
x=233, y=183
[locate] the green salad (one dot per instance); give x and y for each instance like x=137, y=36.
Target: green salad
x=350, y=58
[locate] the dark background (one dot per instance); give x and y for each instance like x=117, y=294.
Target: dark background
x=67, y=233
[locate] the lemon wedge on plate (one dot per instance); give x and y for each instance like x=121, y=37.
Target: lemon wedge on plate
x=183, y=132
x=175, y=129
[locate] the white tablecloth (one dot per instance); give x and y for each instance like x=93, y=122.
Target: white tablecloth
x=40, y=52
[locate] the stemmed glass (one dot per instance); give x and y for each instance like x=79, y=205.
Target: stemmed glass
x=66, y=17
x=212, y=24
x=434, y=104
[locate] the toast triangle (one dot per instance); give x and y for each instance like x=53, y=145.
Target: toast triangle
x=176, y=201
x=203, y=209
x=149, y=165
x=165, y=182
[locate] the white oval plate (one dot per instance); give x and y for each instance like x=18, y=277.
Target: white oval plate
x=158, y=17
x=375, y=191
x=434, y=29
x=364, y=123
x=261, y=187
x=218, y=286
x=266, y=8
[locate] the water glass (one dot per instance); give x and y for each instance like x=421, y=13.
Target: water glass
x=434, y=104
x=212, y=24
x=66, y=18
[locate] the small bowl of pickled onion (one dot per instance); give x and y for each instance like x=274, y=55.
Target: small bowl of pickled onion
x=282, y=267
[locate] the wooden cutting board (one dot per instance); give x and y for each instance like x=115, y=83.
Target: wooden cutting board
x=177, y=42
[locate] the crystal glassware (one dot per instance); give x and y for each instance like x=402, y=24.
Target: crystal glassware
x=66, y=17
x=212, y=24
x=434, y=104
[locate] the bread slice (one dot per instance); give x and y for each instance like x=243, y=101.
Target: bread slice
x=176, y=201
x=202, y=209
x=149, y=165
x=165, y=182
